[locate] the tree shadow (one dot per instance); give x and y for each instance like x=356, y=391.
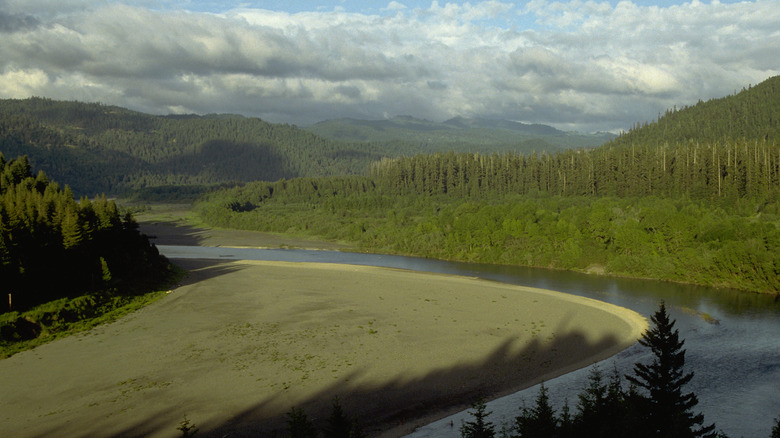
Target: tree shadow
x=396, y=407
x=203, y=269
x=167, y=233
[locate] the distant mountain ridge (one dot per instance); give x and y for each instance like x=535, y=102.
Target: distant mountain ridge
x=458, y=134
x=96, y=148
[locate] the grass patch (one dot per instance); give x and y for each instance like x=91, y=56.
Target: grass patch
x=20, y=331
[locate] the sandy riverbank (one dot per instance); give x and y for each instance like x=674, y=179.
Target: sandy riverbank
x=240, y=343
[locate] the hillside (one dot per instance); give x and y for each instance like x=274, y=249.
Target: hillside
x=751, y=114
x=458, y=134
x=692, y=198
x=99, y=148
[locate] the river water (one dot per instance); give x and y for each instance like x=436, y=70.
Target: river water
x=732, y=339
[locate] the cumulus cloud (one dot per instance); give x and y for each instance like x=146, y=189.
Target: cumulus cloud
x=576, y=64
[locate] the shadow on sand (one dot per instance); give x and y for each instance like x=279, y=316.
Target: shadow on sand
x=396, y=407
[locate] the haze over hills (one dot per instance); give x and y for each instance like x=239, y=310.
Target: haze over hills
x=458, y=134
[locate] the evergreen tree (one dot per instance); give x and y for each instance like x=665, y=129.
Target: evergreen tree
x=539, y=421
x=600, y=410
x=776, y=429
x=340, y=425
x=480, y=427
x=299, y=425
x=667, y=410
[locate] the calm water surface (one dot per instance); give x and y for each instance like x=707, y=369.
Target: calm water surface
x=736, y=360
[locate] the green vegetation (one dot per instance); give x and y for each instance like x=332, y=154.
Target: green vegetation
x=107, y=149
x=750, y=114
x=724, y=243
x=607, y=410
x=65, y=264
x=338, y=424
x=480, y=427
x=696, y=212
x=20, y=331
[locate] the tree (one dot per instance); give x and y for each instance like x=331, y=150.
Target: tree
x=299, y=425
x=340, y=425
x=776, y=429
x=539, y=421
x=667, y=410
x=600, y=409
x=479, y=428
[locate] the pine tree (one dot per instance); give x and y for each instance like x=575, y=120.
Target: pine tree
x=340, y=425
x=479, y=428
x=539, y=421
x=667, y=410
x=299, y=425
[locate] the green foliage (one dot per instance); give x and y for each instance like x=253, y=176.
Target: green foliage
x=20, y=331
x=686, y=240
x=538, y=421
x=605, y=409
x=299, y=425
x=666, y=410
x=749, y=114
x=106, y=149
x=480, y=427
x=339, y=425
x=82, y=258
x=602, y=408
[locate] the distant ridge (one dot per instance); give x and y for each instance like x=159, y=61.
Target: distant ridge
x=458, y=134
x=99, y=148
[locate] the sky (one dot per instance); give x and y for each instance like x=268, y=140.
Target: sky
x=577, y=65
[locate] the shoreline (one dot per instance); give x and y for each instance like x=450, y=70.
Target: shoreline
x=238, y=344
x=170, y=233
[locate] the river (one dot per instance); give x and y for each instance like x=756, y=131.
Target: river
x=732, y=338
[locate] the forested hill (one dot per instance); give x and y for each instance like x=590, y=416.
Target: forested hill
x=751, y=114
x=107, y=149
x=412, y=135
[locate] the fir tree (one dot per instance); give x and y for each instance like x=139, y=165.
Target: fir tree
x=539, y=421
x=667, y=410
x=299, y=425
x=480, y=427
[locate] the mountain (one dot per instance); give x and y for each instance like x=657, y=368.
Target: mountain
x=458, y=134
x=751, y=114
x=113, y=150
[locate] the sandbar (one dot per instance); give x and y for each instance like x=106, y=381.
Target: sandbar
x=238, y=344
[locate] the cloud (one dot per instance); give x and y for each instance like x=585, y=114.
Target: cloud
x=577, y=64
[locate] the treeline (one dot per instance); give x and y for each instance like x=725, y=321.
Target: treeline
x=732, y=169
x=52, y=246
x=701, y=209
x=725, y=242
x=106, y=149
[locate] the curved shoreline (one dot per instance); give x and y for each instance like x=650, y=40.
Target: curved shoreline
x=635, y=324
x=239, y=343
